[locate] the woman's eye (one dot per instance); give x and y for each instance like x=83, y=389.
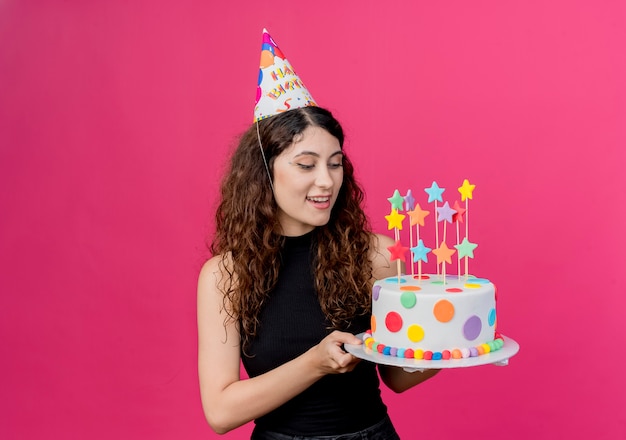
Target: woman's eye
x=332, y=166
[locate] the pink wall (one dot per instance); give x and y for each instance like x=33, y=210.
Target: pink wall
x=115, y=118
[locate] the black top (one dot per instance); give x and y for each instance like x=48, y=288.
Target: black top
x=291, y=323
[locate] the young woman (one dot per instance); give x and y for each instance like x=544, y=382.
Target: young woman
x=288, y=284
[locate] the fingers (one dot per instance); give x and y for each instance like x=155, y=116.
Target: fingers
x=343, y=363
x=337, y=359
x=345, y=338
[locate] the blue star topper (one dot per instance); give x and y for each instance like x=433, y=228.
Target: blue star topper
x=420, y=251
x=434, y=192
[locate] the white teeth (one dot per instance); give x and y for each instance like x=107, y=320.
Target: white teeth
x=319, y=199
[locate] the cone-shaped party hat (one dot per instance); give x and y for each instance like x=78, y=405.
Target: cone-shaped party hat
x=280, y=88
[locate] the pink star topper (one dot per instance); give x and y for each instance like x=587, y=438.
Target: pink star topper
x=397, y=251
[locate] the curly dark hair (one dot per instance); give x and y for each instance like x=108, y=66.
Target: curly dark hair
x=248, y=232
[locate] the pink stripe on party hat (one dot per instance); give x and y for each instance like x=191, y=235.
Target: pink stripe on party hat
x=279, y=87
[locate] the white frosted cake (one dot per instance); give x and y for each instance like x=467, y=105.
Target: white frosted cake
x=433, y=317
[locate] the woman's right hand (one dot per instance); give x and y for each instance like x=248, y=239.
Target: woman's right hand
x=330, y=356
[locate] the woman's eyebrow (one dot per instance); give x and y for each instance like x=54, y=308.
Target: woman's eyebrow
x=313, y=153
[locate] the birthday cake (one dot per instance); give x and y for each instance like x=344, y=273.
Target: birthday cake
x=433, y=316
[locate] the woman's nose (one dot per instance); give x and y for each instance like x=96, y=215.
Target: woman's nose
x=323, y=178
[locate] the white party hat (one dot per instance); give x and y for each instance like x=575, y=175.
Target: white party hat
x=279, y=87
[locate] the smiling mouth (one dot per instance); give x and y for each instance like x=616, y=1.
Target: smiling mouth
x=319, y=199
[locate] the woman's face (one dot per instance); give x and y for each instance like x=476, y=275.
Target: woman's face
x=307, y=179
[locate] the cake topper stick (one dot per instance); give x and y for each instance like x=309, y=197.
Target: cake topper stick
x=420, y=253
x=434, y=194
x=394, y=221
x=458, y=259
x=417, y=219
x=411, y=247
x=466, y=191
x=397, y=253
x=445, y=214
x=466, y=249
x=444, y=255
x=409, y=202
x=458, y=218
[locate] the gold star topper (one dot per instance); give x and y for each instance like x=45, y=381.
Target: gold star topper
x=466, y=190
x=394, y=220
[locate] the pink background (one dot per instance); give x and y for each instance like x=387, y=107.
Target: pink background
x=116, y=118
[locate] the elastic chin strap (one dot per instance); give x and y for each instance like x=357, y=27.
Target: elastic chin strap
x=267, y=168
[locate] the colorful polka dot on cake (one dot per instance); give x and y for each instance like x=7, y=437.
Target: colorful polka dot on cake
x=408, y=300
x=415, y=333
x=443, y=310
x=393, y=321
x=375, y=292
x=472, y=328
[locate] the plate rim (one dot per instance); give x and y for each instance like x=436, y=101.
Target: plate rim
x=499, y=357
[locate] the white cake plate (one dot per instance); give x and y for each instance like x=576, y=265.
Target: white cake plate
x=499, y=357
